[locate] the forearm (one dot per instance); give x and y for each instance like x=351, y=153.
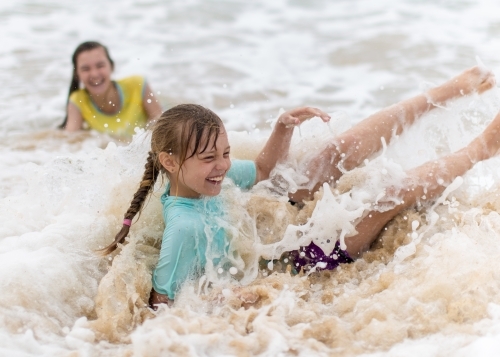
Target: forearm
x=275, y=150
x=74, y=120
x=278, y=144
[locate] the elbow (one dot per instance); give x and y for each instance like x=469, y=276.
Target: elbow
x=262, y=172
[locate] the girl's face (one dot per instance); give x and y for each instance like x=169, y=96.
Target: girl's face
x=94, y=70
x=202, y=174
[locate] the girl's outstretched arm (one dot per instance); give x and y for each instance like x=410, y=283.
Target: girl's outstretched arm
x=278, y=144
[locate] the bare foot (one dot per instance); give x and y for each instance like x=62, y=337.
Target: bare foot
x=473, y=79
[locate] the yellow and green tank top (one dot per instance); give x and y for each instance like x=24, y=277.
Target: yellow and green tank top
x=130, y=115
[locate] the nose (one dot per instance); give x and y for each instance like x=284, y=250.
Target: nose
x=223, y=164
x=93, y=72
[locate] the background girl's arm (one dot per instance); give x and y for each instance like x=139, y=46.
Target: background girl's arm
x=278, y=144
x=75, y=119
x=150, y=103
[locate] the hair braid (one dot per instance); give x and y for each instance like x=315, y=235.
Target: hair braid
x=145, y=187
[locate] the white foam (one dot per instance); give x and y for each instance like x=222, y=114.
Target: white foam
x=63, y=196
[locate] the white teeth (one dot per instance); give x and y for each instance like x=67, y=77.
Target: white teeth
x=218, y=178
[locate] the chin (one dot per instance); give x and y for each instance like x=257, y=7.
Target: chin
x=213, y=193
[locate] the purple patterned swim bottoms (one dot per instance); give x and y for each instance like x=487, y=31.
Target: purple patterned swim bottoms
x=312, y=256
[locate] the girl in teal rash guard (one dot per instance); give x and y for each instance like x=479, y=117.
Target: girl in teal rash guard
x=190, y=145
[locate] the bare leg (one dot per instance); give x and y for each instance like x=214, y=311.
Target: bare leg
x=427, y=182
x=364, y=139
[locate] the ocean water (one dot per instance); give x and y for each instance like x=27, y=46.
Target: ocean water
x=430, y=285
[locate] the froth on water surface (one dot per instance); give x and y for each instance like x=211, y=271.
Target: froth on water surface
x=430, y=277
x=429, y=286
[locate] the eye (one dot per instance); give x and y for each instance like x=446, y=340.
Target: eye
x=226, y=154
x=208, y=158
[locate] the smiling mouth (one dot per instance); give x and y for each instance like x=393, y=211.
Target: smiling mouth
x=96, y=83
x=216, y=180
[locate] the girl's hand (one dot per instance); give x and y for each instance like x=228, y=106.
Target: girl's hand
x=296, y=116
x=155, y=299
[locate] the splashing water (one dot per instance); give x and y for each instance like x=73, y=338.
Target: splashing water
x=429, y=285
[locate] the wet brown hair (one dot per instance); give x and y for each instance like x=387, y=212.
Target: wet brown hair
x=183, y=131
x=75, y=81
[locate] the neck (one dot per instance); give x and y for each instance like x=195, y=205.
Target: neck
x=177, y=191
x=109, y=101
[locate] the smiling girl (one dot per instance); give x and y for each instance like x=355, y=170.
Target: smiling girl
x=190, y=145
x=114, y=107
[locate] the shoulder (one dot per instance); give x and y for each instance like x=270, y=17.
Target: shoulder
x=180, y=214
x=132, y=81
x=183, y=227
x=78, y=96
x=243, y=173
x=133, y=87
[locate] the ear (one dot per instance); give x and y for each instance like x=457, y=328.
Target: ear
x=168, y=161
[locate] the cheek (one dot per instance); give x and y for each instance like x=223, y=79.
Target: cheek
x=81, y=76
x=106, y=71
x=196, y=171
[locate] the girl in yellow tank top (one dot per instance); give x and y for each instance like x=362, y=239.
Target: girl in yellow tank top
x=114, y=107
